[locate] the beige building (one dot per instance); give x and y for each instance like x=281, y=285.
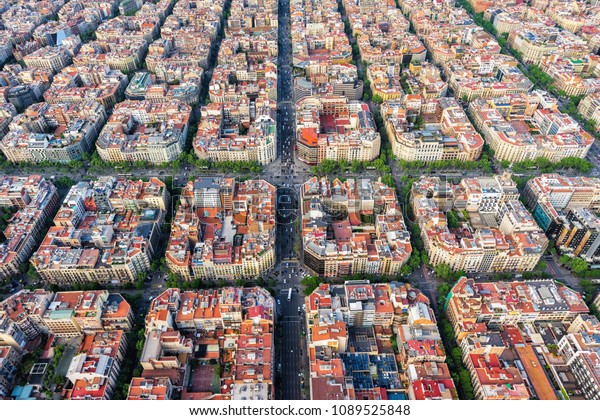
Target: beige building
x=145, y=131
x=369, y=233
x=589, y=108
x=37, y=200
x=557, y=135
x=332, y=127
x=49, y=57
x=501, y=235
x=239, y=245
x=59, y=132
x=447, y=135
x=105, y=231
x=214, y=141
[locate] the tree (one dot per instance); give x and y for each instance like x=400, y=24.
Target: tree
x=443, y=290
x=444, y=272
x=75, y=164
x=310, y=283
x=564, y=260
x=589, y=289
x=64, y=181
x=415, y=260
x=456, y=355
x=578, y=265
x=32, y=273
x=453, y=222
x=405, y=270
x=356, y=166
x=465, y=383
x=57, y=380
x=377, y=99
x=388, y=180
x=419, y=122
x=139, y=284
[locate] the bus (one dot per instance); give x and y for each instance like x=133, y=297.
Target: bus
x=290, y=294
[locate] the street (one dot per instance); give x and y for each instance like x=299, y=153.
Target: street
x=283, y=173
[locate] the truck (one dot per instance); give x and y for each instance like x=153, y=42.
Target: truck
x=290, y=294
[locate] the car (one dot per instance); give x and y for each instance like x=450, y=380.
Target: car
x=278, y=302
x=284, y=281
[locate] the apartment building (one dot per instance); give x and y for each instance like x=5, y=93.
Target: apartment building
x=431, y=381
x=223, y=229
x=53, y=58
x=25, y=309
x=106, y=230
x=369, y=233
x=556, y=135
x=495, y=231
x=232, y=326
x=424, y=79
x=510, y=303
x=331, y=127
x=321, y=49
x=564, y=208
x=221, y=137
x=563, y=192
x=348, y=332
x=535, y=42
x=36, y=200
x=181, y=53
x=59, y=132
x=143, y=86
x=145, y=131
x=94, y=371
x=10, y=360
x=71, y=314
x=574, y=76
x=589, y=108
x=22, y=87
x=5, y=47
x=145, y=389
x=86, y=83
x=494, y=324
x=485, y=76
x=447, y=133
x=122, y=54
x=382, y=33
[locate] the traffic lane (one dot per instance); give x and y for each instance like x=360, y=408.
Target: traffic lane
x=291, y=362
x=562, y=274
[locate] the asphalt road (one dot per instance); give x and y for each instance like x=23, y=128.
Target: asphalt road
x=561, y=274
x=289, y=348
